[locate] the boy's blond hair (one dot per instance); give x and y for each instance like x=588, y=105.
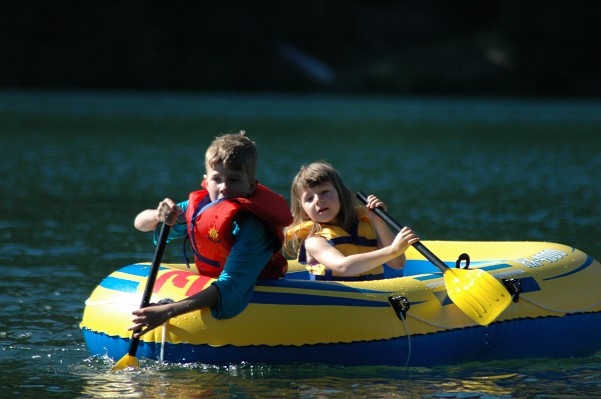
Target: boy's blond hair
x=236, y=151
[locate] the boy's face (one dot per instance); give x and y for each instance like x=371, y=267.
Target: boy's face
x=223, y=182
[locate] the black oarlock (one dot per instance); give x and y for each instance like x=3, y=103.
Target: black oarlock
x=514, y=286
x=400, y=304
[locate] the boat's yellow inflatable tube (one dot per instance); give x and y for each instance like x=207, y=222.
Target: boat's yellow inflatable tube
x=554, y=280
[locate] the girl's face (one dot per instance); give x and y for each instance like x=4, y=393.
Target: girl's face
x=321, y=203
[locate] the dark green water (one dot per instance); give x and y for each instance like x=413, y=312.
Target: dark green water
x=76, y=168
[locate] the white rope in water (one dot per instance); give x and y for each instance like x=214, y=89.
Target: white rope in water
x=163, y=340
x=408, y=334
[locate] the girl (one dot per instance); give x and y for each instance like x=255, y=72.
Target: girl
x=336, y=239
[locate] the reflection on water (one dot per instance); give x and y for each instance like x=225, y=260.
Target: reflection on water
x=77, y=167
x=544, y=378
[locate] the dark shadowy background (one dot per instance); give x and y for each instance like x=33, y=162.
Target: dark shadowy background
x=514, y=48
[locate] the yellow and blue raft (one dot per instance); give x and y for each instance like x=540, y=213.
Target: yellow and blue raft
x=401, y=320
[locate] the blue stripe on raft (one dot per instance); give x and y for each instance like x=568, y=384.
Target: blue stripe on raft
x=443, y=298
x=433, y=276
x=587, y=263
x=428, y=277
x=123, y=284
x=119, y=284
x=529, y=284
x=422, y=266
x=495, y=267
x=314, y=285
x=280, y=298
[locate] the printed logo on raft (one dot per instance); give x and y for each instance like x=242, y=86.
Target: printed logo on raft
x=546, y=255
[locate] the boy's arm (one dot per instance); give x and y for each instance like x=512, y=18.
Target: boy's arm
x=146, y=220
x=231, y=293
x=167, y=210
x=250, y=253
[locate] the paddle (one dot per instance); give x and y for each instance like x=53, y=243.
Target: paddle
x=478, y=294
x=129, y=360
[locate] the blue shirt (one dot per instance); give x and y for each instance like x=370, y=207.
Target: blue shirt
x=251, y=251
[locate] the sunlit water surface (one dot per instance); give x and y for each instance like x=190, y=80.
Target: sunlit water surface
x=77, y=167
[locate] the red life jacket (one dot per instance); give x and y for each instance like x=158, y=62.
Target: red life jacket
x=210, y=228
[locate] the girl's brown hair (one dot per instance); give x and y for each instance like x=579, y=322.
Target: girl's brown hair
x=312, y=175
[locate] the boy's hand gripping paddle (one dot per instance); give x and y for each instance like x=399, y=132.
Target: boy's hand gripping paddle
x=129, y=360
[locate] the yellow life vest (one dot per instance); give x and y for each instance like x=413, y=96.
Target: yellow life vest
x=361, y=239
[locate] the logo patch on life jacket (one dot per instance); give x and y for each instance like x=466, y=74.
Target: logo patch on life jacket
x=213, y=234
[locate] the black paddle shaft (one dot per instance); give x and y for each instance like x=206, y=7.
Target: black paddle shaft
x=396, y=226
x=152, y=276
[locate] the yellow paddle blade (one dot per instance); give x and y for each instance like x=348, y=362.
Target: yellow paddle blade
x=127, y=361
x=478, y=294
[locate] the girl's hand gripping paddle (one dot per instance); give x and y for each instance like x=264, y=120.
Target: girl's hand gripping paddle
x=477, y=293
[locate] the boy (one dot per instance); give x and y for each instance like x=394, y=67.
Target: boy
x=235, y=227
